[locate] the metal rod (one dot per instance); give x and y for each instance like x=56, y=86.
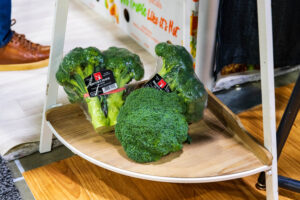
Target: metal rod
x=206, y=36
x=56, y=54
x=289, y=184
x=265, y=34
x=288, y=117
x=283, y=182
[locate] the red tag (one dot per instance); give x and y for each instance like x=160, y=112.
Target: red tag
x=98, y=76
x=114, y=91
x=162, y=83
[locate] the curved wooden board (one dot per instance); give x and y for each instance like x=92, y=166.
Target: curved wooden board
x=216, y=153
x=235, y=127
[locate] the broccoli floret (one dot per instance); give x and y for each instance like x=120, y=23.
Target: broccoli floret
x=125, y=67
x=177, y=70
x=151, y=124
x=78, y=64
x=161, y=102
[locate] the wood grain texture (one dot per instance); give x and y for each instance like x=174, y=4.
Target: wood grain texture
x=75, y=178
x=214, y=151
x=233, y=123
x=289, y=161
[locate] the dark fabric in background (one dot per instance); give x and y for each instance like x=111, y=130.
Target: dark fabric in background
x=5, y=17
x=237, y=33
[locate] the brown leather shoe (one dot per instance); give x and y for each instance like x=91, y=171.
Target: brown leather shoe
x=22, y=54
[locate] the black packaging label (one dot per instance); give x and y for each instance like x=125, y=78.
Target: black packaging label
x=159, y=83
x=100, y=82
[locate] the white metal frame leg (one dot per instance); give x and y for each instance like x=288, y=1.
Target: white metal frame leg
x=268, y=95
x=58, y=37
x=206, y=34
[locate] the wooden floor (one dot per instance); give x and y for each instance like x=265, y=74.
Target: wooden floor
x=289, y=161
x=75, y=178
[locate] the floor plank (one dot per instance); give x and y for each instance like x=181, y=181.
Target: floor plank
x=76, y=178
x=289, y=162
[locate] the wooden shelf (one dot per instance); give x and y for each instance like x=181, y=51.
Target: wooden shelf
x=220, y=148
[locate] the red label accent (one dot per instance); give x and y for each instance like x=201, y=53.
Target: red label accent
x=162, y=83
x=98, y=76
x=114, y=91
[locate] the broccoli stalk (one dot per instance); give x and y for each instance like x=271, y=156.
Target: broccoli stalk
x=114, y=103
x=177, y=70
x=125, y=67
x=97, y=116
x=78, y=64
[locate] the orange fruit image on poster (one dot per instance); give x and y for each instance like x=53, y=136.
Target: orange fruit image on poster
x=112, y=8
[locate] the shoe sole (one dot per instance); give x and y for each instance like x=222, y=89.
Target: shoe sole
x=24, y=66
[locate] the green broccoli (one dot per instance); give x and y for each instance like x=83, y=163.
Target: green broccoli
x=146, y=96
x=78, y=64
x=125, y=67
x=151, y=124
x=177, y=70
x=81, y=63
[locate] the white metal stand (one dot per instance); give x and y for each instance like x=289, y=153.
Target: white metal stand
x=204, y=61
x=207, y=21
x=56, y=54
x=268, y=94
x=207, y=18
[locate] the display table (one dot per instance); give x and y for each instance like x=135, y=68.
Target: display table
x=221, y=148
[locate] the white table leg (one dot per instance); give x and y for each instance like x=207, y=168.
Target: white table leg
x=268, y=95
x=58, y=37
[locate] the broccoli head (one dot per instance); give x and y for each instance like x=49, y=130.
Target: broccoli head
x=124, y=64
x=177, y=70
x=78, y=64
x=151, y=124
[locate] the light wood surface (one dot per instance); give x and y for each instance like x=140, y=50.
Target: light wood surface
x=215, y=149
x=233, y=123
x=75, y=178
x=289, y=161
